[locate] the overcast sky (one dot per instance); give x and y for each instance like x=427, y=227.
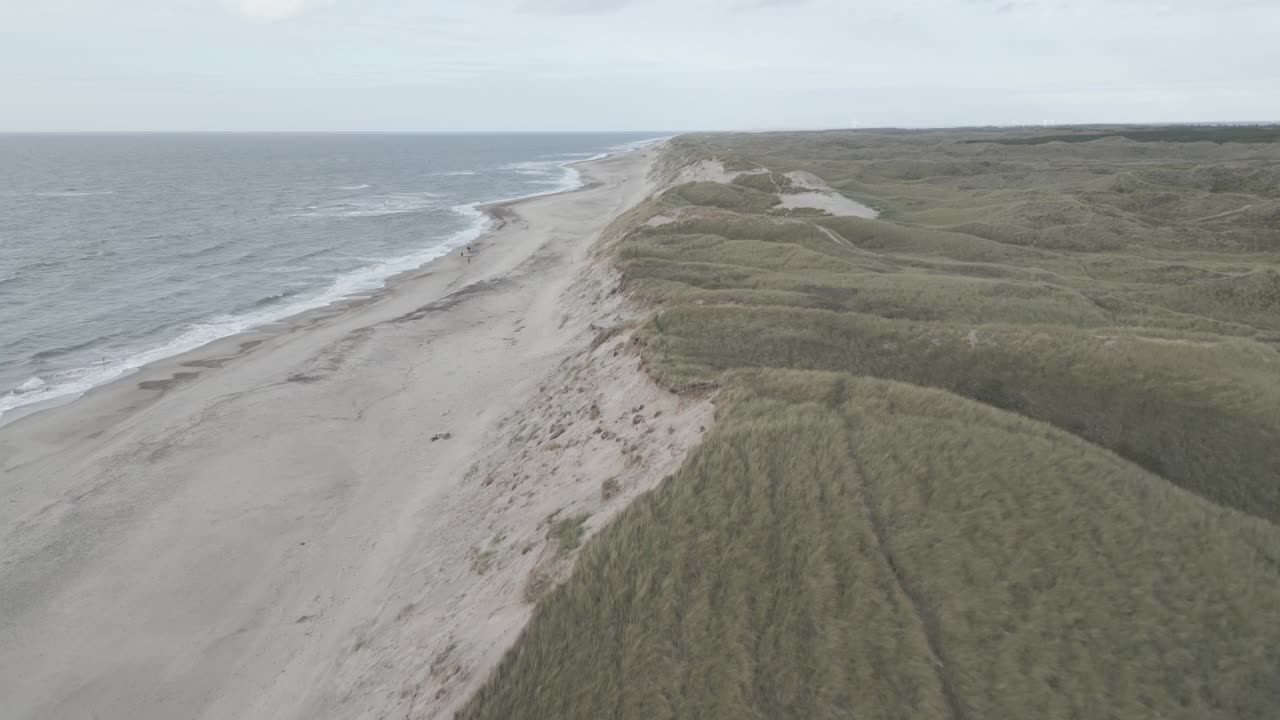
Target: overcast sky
x=630, y=64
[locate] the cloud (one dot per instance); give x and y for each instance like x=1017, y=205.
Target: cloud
x=586, y=7
x=761, y=4
x=272, y=9
x=450, y=64
x=575, y=7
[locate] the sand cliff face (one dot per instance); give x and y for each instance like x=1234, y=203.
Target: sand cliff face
x=346, y=516
x=593, y=434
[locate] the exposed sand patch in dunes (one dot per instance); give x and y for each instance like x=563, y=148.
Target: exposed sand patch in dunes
x=820, y=196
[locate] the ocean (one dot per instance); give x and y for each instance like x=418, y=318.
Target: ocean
x=117, y=250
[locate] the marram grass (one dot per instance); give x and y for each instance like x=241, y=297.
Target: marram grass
x=1010, y=451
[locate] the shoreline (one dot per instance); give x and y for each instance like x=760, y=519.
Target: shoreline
x=488, y=219
x=344, y=515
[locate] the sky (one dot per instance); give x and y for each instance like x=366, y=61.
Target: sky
x=671, y=65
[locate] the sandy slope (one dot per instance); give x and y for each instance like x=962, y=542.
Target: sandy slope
x=265, y=528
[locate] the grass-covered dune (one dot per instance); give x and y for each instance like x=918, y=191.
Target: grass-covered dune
x=1010, y=450
x=850, y=547
x=1204, y=416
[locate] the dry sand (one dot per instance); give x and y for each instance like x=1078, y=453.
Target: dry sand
x=264, y=528
x=819, y=196
x=812, y=192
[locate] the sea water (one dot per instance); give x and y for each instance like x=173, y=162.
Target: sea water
x=117, y=250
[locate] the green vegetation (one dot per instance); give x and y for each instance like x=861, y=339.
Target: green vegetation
x=805, y=564
x=568, y=532
x=1010, y=450
x=1172, y=134
x=729, y=197
x=769, y=182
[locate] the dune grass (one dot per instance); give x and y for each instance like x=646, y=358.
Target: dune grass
x=1177, y=134
x=849, y=547
x=1203, y=415
x=1164, y=355
x=1011, y=450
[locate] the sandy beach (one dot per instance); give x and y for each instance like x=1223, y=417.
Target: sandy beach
x=345, y=515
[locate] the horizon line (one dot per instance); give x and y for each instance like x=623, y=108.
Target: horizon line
x=971, y=126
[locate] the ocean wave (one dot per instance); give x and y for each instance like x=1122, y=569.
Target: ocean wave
x=534, y=167
x=578, y=157
x=32, y=267
x=353, y=187
x=318, y=252
x=77, y=381
x=68, y=349
x=456, y=173
x=205, y=251
x=560, y=169
x=375, y=206
x=560, y=174
x=273, y=299
x=31, y=385
x=73, y=382
x=73, y=193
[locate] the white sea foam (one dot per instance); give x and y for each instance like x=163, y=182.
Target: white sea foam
x=78, y=381
x=353, y=187
x=560, y=172
x=375, y=206
x=70, y=383
x=569, y=178
x=536, y=167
